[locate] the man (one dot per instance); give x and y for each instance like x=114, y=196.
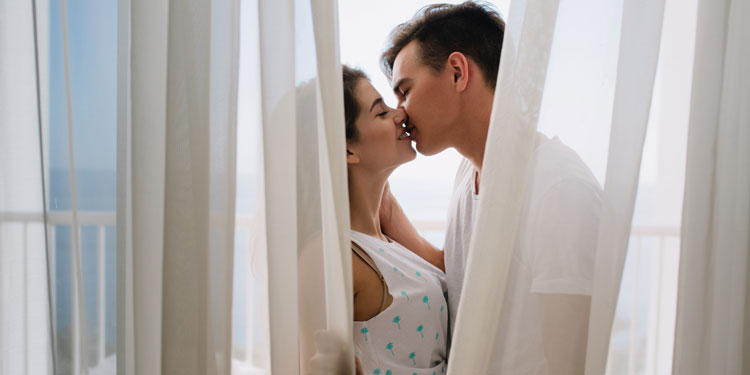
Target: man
x=443, y=66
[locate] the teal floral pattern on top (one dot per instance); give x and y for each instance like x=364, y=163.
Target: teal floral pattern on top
x=424, y=282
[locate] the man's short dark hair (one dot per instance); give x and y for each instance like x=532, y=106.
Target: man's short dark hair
x=474, y=29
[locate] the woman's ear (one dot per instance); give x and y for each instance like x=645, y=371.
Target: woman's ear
x=351, y=157
x=459, y=68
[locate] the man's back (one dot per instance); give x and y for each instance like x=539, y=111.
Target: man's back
x=554, y=253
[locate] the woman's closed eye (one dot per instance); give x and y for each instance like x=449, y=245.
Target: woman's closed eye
x=384, y=109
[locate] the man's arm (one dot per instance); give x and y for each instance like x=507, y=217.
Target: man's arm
x=564, y=245
x=565, y=323
x=396, y=225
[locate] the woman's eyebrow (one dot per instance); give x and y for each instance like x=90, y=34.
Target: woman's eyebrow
x=376, y=102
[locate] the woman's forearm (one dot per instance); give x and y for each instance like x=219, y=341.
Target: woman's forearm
x=396, y=225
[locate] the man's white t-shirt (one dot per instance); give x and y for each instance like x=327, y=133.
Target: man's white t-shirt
x=554, y=252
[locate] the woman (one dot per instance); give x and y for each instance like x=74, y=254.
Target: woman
x=400, y=312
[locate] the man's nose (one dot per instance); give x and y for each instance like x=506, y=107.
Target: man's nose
x=400, y=117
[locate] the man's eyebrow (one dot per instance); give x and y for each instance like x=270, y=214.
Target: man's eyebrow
x=376, y=102
x=398, y=84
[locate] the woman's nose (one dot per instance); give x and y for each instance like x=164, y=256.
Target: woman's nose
x=400, y=117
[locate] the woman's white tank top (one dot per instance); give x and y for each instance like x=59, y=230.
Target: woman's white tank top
x=409, y=336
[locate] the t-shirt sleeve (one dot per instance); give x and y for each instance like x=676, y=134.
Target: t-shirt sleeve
x=563, y=236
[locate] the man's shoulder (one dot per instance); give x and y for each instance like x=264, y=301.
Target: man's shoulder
x=556, y=163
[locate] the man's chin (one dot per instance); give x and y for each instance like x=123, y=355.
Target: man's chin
x=426, y=150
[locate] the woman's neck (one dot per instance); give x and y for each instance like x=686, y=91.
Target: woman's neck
x=365, y=193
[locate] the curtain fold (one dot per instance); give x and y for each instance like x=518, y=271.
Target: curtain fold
x=337, y=241
x=176, y=167
x=302, y=99
x=636, y=71
x=79, y=330
x=124, y=208
x=508, y=152
x=26, y=338
x=140, y=206
x=321, y=268
x=224, y=72
x=277, y=76
x=185, y=274
x=711, y=334
x=506, y=166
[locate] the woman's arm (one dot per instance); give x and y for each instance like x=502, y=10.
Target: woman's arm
x=396, y=225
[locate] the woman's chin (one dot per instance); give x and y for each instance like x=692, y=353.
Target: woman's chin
x=408, y=156
x=412, y=154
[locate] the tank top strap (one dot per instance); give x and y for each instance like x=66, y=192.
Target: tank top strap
x=363, y=255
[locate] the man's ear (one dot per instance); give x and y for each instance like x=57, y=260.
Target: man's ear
x=459, y=68
x=351, y=157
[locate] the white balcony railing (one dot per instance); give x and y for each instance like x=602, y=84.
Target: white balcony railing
x=659, y=325
x=101, y=221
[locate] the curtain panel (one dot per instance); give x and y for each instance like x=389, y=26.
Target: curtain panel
x=301, y=95
x=26, y=315
x=517, y=110
x=176, y=171
x=712, y=310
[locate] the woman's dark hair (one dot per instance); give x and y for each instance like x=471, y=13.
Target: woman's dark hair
x=472, y=28
x=352, y=76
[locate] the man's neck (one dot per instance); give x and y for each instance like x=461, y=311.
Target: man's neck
x=473, y=131
x=472, y=145
x=472, y=140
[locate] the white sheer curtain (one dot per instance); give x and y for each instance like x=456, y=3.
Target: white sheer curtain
x=25, y=323
x=304, y=220
x=176, y=172
x=713, y=310
x=508, y=155
x=518, y=108
x=634, y=86
x=62, y=275
x=179, y=170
